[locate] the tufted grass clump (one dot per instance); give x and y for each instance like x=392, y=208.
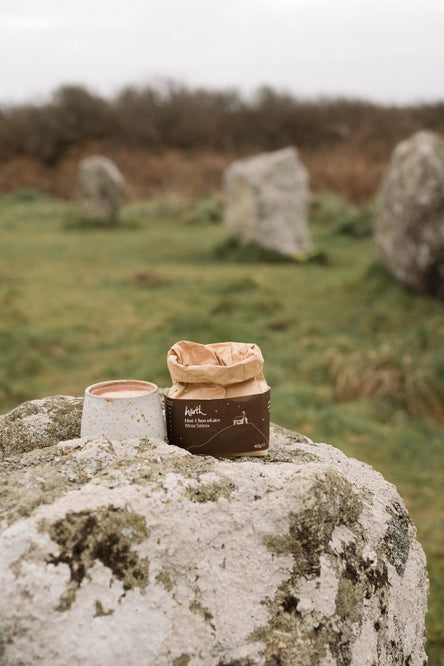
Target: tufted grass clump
x=379, y=374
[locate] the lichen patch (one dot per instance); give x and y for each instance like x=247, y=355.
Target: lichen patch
x=166, y=579
x=106, y=535
x=211, y=492
x=396, y=542
x=40, y=423
x=198, y=608
x=333, y=504
x=100, y=611
x=183, y=660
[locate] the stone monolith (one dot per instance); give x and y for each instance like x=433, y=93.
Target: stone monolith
x=101, y=185
x=266, y=200
x=410, y=214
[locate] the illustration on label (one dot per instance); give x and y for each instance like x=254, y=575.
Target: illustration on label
x=241, y=420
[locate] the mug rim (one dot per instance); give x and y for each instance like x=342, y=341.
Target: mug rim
x=95, y=390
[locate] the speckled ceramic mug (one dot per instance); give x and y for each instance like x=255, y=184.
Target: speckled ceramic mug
x=122, y=409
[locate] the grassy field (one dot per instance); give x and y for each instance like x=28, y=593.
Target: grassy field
x=352, y=358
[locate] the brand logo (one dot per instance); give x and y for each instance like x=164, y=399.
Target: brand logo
x=193, y=411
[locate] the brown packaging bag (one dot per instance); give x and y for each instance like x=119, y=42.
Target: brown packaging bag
x=219, y=403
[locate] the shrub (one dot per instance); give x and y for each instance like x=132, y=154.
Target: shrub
x=344, y=143
x=74, y=115
x=172, y=115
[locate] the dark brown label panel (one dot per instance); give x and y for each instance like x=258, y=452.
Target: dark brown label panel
x=227, y=426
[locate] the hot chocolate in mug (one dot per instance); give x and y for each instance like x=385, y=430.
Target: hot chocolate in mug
x=122, y=409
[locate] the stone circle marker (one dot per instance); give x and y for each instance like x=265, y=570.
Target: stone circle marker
x=101, y=186
x=409, y=233
x=266, y=199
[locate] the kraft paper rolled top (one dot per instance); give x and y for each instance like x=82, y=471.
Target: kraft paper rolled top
x=219, y=370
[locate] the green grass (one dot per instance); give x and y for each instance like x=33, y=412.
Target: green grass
x=352, y=358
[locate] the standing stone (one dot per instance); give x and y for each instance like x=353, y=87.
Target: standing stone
x=267, y=200
x=101, y=185
x=138, y=552
x=410, y=219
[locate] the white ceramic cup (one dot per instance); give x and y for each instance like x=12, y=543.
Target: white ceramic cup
x=122, y=409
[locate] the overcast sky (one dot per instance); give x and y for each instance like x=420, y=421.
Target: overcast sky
x=390, y=51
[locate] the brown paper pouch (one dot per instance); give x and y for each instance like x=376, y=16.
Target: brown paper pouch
x=219, y=403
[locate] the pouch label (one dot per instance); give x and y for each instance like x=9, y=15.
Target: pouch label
x=224, y=426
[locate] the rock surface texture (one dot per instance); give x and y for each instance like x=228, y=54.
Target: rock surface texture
x=138, y=552
x=266, y=201
x=410, y=219
x=101, y=185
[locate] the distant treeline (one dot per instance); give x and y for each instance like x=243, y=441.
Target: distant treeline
x=174, y=116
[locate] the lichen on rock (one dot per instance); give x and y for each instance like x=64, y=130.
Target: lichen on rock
x=40, y=423
x=211, y=492
x=106, y=535
x=396, y=539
